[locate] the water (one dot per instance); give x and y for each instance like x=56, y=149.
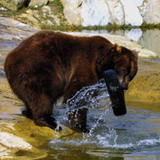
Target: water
x=137, y=134
x=148, y=38
x=133, y=136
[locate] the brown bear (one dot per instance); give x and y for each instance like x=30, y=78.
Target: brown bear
x=50, y=64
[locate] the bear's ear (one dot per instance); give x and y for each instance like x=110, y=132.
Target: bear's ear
x=118, y=48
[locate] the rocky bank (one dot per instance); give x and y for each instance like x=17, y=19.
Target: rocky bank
x=87, y=12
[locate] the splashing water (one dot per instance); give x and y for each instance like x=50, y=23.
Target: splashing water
x=89, y=97
x=94, y=97
x=136, y=131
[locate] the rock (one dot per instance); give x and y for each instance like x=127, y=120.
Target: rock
x=102, y=12
x=88, y=13
x=49, y=15
x=152, y=12
x=72, y=11
x=13, y=4
x=132, y=14
x=11, y=141
x=29, y=17
x=145, y=87
x=37, y=3
x=44, y=17
x=116, y=12
x=119, y=12
x=133, y=45
x=95, y=13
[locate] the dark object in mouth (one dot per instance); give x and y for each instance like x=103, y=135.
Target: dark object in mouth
x=116, y=93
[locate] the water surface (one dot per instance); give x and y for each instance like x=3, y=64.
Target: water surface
x=135, y=135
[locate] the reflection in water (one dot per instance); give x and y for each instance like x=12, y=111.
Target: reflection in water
x=148, y=38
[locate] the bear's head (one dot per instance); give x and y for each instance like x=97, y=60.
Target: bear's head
x=125, y=64
x=122, y=60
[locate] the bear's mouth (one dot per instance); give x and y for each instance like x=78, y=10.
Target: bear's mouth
x=116, y=92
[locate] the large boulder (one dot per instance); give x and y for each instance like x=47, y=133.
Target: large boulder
x=103, y=12
x=132, y=15
x=95, y=13
x=152, y=12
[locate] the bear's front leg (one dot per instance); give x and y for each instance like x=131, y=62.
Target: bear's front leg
x=78, y=117
x=41, y=107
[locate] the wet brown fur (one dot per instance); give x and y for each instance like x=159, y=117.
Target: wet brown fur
x=50, y=64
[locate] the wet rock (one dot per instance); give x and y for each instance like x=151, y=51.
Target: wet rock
x=145, y=87
x=20, y=137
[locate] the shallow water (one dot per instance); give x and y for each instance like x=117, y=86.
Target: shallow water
x=148, y=38
x=135, y=135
